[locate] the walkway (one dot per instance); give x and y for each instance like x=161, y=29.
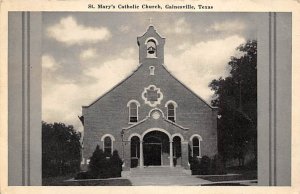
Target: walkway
x=163, y=176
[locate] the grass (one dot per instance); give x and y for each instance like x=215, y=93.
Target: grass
x=62, y=181
x=234, y=174
x=52, y=181
x=251, y=175
x=224, y=184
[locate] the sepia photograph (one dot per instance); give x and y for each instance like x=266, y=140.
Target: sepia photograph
x=118, y=101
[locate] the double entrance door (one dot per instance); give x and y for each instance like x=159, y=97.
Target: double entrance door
x=152, y=154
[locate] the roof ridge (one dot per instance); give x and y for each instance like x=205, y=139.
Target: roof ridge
x=132, y=73
x=119, y=83
x=188, y=87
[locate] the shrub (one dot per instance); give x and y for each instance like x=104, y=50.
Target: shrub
x=85, y=175
x=102, y=166
x=205, y=167
x=194, y=165
x=115, y=164
x=98, y=163
x=252, y=164
x=217, y=166
x=200, y=166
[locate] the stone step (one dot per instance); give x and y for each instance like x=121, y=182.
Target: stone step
x=157, y=171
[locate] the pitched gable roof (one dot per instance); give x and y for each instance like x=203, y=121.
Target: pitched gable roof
x=126, y=78
x=131, y=74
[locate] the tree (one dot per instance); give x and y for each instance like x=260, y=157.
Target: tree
x=61, y=149
x=236, y=97
x=104, y=165
x=116, y=164
x=98, y=163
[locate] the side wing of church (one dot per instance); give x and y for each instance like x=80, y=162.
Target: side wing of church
x=150, y=116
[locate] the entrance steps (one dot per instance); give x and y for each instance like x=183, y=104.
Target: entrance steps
x=158, y=171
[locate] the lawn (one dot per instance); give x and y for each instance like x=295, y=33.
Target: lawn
x=233, y=174
x=224, y=184
x=250, y=175
x=63, y=181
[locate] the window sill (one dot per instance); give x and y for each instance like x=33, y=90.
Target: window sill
x=132, y=123
x=172, y=121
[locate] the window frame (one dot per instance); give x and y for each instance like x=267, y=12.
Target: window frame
x=112, y=139
x=136, y=146
x=107, y=147
x=133, y=118
x=174, y=110
x=137, y=104
x=199, y=138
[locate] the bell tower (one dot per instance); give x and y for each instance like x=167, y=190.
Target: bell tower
x=151, y=47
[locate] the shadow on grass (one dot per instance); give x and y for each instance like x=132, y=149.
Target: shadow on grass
x=225, y=184
x=61, y=181
x=234, y=174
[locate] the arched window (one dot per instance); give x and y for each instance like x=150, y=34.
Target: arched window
x=152, y=68
x=133, y=106
x=171, y=112
x=151, y=49
x=196, y=151
x=133, y=112
x=196, y=147
x=107, y=145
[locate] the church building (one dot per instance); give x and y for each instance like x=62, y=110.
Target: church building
x=151, y=118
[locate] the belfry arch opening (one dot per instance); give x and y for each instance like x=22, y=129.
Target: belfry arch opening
x=151, y=49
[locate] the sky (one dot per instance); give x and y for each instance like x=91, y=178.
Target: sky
x=84, y=54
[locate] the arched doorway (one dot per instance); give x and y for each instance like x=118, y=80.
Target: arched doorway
x=134, y=151
x=177, y=151
x=156, y=149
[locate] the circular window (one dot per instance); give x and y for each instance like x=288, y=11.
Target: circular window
x=155, y=115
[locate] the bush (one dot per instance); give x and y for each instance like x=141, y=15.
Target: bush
x=85, y=175
x=102, y=166
x=194, y=165
x=200, y=166
x=217, y=166
x=205, y=167
x=251, y=165
x=115, y=164
x=99, y=164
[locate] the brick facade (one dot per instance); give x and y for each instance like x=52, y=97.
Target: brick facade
x=109, y=114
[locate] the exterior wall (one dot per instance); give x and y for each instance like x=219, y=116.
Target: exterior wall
x=109, y=114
